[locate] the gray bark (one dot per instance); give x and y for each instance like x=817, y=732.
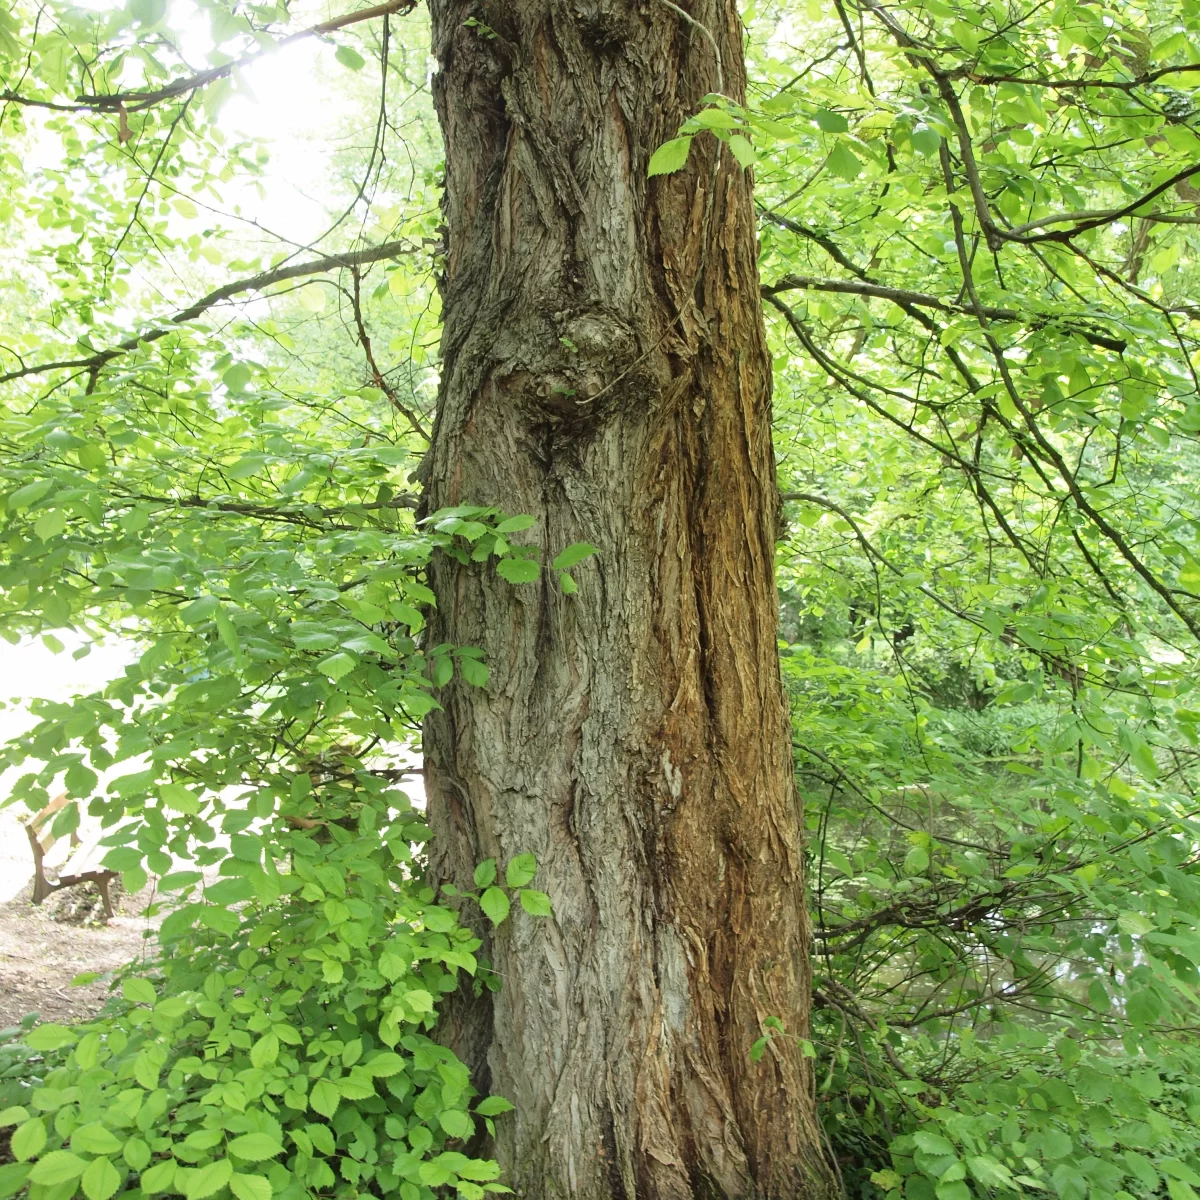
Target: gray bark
x=605, y=370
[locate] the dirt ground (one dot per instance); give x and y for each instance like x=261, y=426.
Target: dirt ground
x=43, y=948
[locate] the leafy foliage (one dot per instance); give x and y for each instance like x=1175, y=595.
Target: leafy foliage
x=977, y=237
x=978, y=252
x=281, y=1049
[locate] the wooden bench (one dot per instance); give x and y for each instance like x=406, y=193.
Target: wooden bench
x=77, y=869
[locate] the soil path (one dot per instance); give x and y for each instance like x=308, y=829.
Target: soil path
x=39, y=955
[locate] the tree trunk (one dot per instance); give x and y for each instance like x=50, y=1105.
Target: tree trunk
x=605, y=370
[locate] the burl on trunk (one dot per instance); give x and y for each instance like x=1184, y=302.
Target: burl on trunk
x=605, y=370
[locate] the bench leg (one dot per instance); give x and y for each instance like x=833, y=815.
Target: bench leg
x=102, y=884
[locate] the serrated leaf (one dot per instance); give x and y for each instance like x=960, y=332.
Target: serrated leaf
x=29, y=1139
x=59, y=1166
x=349, y=57
x=250, y=1187
x=473, y=671
x=516, y=524
x=180, y=798
x=337, y=666
x=485, y=873
x=518, y=570
x=159, y=1178
x=535, y=903
x=100, y=1180
x=385, y=1064
x=520, y=870
x=265, y=1051
x=495, y=904
x=743, y=151
x=456, y=1123
x=843, y=162
x=207, y=1180
x=95, y=1139
x=12, y=1179
x=574, y=553
x=324, y=1098
x=831, y=122
x=49, y=1036
x=139, y=991
x=136, y=1153
x=256, y=1146
x=493, y=1106
x=670, y=156
x=13, y=1116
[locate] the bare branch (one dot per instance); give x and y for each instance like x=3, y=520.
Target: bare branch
x=255, y=283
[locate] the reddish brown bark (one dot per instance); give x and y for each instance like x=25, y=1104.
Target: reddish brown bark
x=605, y=370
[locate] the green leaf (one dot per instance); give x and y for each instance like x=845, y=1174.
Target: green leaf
x=743, y=151
x=100, y=1180
x=843, y=162
x=176, y=796
x=831, y=122
x=520, y=870
x=916, y=861
x=324, y=1098
x=263, y=1053
x=250, y=1187
x=515, y=524
x=29, y=1139
x=207, y=1180
x=925, y=140
x=473, y=671
x=95, y=1139
x=536, y=903
x=59, y=1166
x=50, y=524
x=456, y=1123
x=13, y=1116
x=574, y=553
x=349, y=57
x=518, y=570
x=136, y=1153
x=385, y=1064
x=256, y=1146
x=495, y=904
x=199, y=610
x=485, y=873
x=12, y=1179
x=670, y=156
x=337, y=666
x=159, y=1178
x=139, y=991
x=493, y=1106
x=50, y=1037
x=1134, y=923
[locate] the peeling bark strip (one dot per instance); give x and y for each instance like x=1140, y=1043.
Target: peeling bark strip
x=606, y=371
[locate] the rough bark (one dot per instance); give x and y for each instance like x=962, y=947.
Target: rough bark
x=605, y=370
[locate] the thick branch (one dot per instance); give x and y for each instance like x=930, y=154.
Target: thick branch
x=255, y=283
x=904, y=297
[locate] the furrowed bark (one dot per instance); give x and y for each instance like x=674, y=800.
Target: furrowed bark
x=605, y=370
